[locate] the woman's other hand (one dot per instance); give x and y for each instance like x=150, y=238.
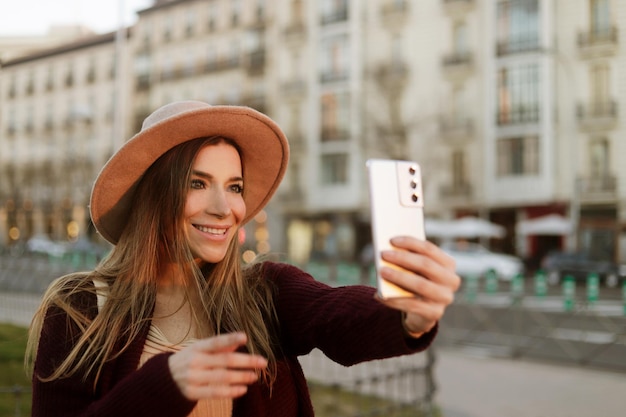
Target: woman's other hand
x=429, y=273
x=211, y=368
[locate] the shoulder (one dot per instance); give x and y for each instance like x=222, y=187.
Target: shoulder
x=74, y=291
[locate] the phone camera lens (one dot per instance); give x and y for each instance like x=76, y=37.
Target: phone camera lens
x=412, y=170
x=415, y=198
x=413, y=184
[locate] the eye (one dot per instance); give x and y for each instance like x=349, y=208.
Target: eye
x=237, y=188
x=197, y=184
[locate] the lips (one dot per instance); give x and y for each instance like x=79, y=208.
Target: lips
x=211, y=230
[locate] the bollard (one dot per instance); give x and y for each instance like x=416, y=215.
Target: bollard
x=541, y=284
x=624, y=294
x=491, y=282
x=471, y=288
x=517, y=288
x=569, y=292
x=593, y=288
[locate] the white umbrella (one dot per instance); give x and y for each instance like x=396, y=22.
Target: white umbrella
x=465, y=227
x=552, y=224
x=471, y=227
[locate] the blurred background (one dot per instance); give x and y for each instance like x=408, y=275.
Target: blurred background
x=511, y=107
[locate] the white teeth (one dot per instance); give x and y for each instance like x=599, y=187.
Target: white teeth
x=210, y=230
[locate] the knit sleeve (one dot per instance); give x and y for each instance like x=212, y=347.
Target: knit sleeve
x=347, y=323
x=148, y=391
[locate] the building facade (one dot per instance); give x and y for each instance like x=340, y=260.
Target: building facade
x=512, y=107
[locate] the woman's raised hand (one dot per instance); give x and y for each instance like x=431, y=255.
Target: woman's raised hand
x=211, y=367
x=429, y=273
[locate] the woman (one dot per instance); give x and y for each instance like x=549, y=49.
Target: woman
x=171, y=323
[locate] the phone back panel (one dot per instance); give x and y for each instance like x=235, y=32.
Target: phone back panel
x=397, y=208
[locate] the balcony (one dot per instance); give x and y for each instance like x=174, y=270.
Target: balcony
x=460, y=193
x=518, y=115
x=458, y=8
x=518, y=46
x=599, y=42
x=255, y=62
x=458, y=66
x=295, y=32
x=142, y=82
x=330, y=76
x=394, y=12
x=601, y=115
x=597, y=189
x=333, y=134
x=392, y=76
x=294, y=88
x=339, y=14
x=297, y=143
x=454, y=129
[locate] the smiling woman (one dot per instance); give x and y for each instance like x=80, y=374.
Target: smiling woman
x=173, y=323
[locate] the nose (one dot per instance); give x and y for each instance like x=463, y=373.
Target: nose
x=218, y=204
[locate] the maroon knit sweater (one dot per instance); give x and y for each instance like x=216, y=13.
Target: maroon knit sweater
x=346, y=323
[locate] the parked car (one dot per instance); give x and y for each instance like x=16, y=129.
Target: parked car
x=579, y=264
x=473, y=259
x=43, y=244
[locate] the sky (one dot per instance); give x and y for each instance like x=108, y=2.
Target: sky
x=34, y=17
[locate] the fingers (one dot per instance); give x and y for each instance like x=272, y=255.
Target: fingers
x=426, y=271
x=424, y=258
x=213, y=368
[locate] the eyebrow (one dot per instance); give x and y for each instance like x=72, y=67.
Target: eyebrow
x=208, y=176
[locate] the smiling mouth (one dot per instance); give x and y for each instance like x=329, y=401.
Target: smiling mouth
x=210, y=230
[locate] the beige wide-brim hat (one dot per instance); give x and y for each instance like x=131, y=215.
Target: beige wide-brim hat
x=263, y=145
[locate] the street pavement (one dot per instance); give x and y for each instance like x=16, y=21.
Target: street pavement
x=472, y=382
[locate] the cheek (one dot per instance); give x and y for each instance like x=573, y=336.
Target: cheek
x=191, y=205
x=239, y=208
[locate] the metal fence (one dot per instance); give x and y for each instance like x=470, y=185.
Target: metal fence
x=20, y=398
x=395, y=387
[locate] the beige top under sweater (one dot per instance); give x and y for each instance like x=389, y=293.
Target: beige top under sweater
x=156, y=343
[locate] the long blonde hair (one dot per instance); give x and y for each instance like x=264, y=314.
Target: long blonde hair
x=232, y=297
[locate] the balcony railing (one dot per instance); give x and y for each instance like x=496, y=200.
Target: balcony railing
x=333, y=76
x=597, y=36
x=597, y=115
x=457, y=7
x=393, y=8
x=455, y=128
x=518, y=115
x=339, y=14
x=462, y=190
x=255, y=64
x=519, y=45
x=597, y=188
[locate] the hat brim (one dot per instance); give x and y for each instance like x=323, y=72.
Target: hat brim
x=264, y=153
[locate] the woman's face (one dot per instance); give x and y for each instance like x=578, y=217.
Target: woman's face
x=214, y=208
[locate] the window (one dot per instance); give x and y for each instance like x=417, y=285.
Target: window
x=460, y=38
x=518, y=95
x=236, y=12
x=334, y=169
x=190, y=24
x=600, y=18
x=600, y=87
x=599, y=158
x=517, y=156
x=459, y=172
x=168, y=28
x=212, y=23
x=517, y=26
x=334, y=11
x=335, y=116
x=335, y=58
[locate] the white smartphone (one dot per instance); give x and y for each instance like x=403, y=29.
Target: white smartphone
x=397, y=208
